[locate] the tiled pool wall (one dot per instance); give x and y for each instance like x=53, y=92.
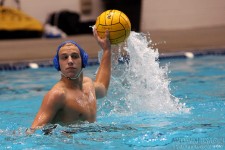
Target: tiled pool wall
x=26, y=64
x=192, y=54
x=13, y=66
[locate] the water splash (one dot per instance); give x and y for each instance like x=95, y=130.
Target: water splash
x=139, y=83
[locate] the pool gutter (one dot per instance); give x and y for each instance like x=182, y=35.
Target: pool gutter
x=42, y=63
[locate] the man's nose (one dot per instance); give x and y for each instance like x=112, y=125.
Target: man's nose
x=70, y=61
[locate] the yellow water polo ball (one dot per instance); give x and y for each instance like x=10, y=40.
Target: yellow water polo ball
x=117, y=23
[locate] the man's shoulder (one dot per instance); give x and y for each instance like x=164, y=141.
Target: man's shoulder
x=57, y=92
x=88, y=83
x=54, y=98
x=87, y=80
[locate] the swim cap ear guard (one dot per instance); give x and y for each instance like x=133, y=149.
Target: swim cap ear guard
x=83, y=54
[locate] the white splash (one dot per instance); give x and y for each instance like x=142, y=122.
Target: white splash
x=141, y=84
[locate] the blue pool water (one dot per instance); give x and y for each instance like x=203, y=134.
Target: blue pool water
x=179, y=104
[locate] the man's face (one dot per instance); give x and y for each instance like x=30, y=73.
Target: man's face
x=69, y=60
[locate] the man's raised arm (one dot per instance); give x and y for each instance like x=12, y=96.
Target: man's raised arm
x=104, y=72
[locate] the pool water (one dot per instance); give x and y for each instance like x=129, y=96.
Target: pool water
x=198, y=82
x=174, y=104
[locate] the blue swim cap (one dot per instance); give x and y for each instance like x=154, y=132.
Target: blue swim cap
x=83, y=54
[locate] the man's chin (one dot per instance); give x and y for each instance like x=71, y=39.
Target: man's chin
x=71, y=75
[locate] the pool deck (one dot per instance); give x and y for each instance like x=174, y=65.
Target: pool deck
x=167, y=42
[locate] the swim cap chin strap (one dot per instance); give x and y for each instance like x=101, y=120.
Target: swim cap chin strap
x=77, y=76
x=83, y=54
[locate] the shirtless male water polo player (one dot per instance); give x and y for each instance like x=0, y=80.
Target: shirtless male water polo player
x=73, y=97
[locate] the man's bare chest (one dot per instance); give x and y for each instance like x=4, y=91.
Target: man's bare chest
x=80, y=106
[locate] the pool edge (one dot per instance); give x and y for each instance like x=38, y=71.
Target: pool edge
x=42, y=63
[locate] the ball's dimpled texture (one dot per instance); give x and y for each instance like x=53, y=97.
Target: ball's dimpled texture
x=116, y=22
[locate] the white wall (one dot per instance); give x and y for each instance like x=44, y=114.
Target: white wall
x=156, y=14
x=181, y=14
x=40, y=9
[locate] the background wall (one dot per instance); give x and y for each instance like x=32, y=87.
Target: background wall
x=41, y=9
x=155, y=14
x=181, y=14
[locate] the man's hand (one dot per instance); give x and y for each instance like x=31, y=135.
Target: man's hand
x=103, y=43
